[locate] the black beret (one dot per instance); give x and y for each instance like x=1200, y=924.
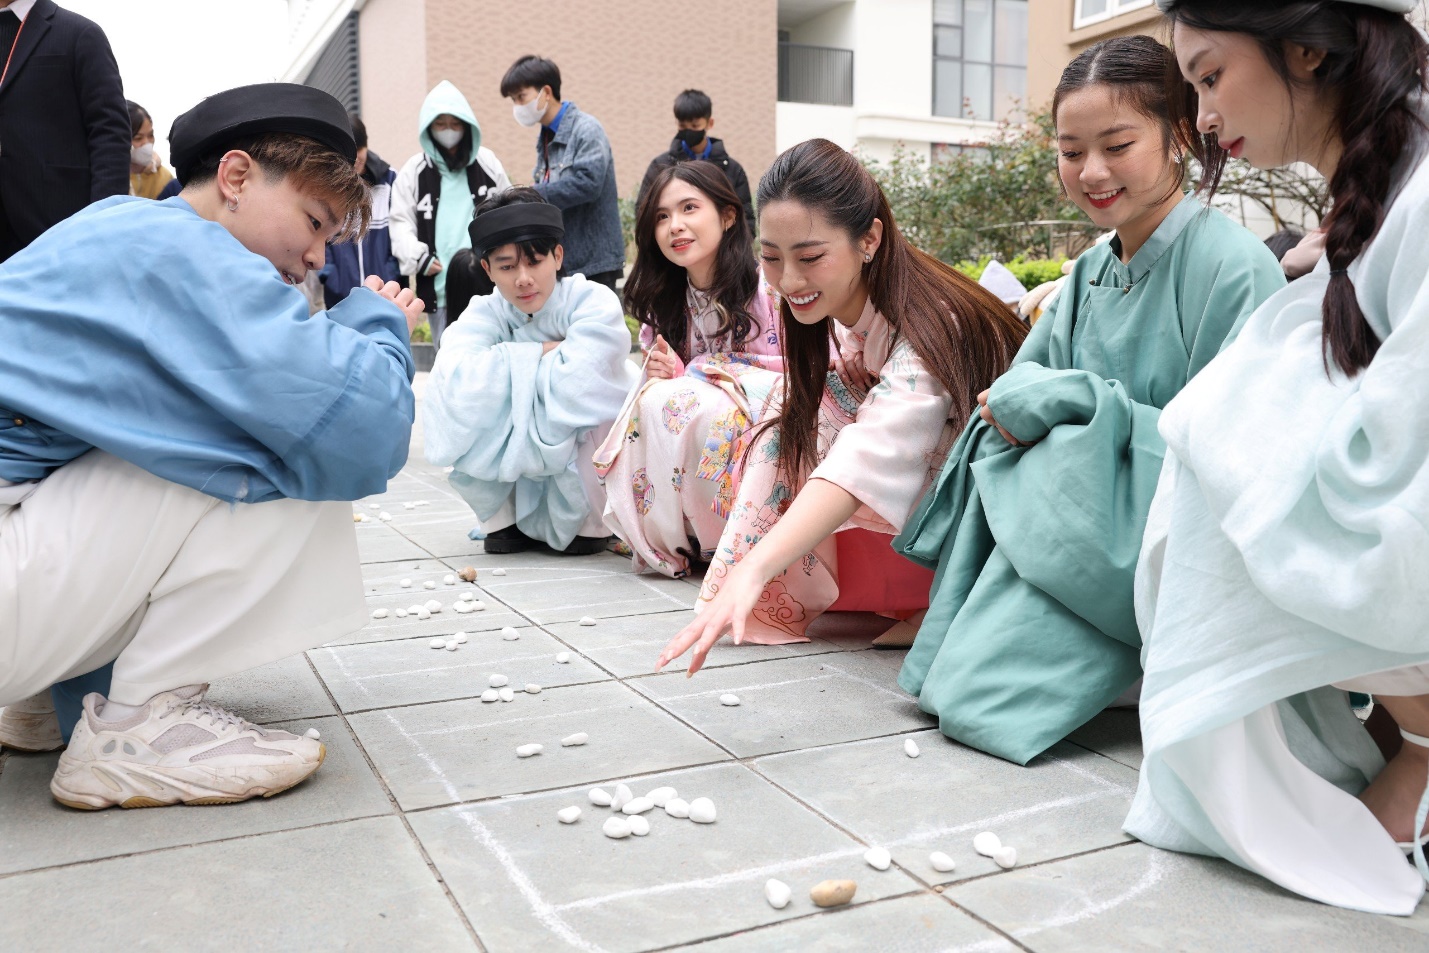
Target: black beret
x=236, y=114
x=510, y=224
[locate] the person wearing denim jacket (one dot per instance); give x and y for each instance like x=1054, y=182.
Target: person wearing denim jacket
x=574, y=169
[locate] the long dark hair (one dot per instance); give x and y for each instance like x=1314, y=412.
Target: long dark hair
x=964, y=336
x=1142, y=71
x=1374, y=67
x=655, y=290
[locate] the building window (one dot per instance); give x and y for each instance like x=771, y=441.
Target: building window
x=979, y=58
x=1094, y=11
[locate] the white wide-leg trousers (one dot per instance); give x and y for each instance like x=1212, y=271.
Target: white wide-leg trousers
x=103, y=561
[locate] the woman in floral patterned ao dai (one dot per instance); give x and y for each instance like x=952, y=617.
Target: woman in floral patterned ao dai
x=712, y=354
x=857, y=445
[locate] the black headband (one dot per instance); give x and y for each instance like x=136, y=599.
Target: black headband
x=515, y=223
x=230, y=116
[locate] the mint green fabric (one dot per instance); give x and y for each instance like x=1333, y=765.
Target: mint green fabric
x=1031, y=629
x=456, y=208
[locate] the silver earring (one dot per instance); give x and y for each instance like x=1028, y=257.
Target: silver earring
x=867, y=258
x=233, y=205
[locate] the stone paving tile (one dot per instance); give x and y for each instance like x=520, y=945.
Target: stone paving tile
x=915, y=924
x=543, y=559
x=1066, y=802
x=1115, y=733
x=357, y=886
x=408, y=672
x=380, y=578
x=630, y=645
x=465, y=750
x=35, y=831
x=792, y=703
x=1137, y=898
x=587, y=592
x=379, y=546
x=527, y=882
x=281, y=691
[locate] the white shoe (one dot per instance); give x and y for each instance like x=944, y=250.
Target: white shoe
x=31, y=725
x=178, y=748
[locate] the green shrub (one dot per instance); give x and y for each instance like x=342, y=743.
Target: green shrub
x=422, y=333
x=1030, y=273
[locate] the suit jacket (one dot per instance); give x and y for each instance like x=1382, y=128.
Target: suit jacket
x=64, y=126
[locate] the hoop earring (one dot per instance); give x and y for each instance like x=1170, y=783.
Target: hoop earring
x=233, y=205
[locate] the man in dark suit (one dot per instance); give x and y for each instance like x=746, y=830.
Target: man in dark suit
x=64, y=127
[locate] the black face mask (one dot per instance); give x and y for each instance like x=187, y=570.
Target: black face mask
x=691, y=137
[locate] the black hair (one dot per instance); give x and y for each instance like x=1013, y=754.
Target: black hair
x=655, y=290
x=137, y=115
x=531, y=72
x=1284, y=240
x=1372, y=74
x=693, y=104
x=1142, y=71
x=466, y=279
x=359, y=130
x=532, y=248
x=462, y=150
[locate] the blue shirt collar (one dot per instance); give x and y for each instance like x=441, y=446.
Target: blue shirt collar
x=556, y=123
x=704, y=153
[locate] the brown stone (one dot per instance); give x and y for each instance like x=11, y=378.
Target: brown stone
x=832, y=893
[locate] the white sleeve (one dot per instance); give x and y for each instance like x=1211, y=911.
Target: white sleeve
x=402, y=224
x=493, y=168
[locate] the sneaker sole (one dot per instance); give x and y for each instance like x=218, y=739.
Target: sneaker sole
x=74, y=800
x=506, y=547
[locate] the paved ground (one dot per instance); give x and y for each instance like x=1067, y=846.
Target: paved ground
x=424, y=831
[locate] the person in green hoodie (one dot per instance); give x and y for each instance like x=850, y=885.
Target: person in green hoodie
x=436, y=194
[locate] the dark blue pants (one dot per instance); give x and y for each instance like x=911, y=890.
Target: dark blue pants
x=69, y=694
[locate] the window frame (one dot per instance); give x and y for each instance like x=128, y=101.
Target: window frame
x=1114, y=9
x=992, y=65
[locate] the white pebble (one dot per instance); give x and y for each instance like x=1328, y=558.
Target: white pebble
x=423, y=614
x=409, y=506
x=468, y=597
x=615, y=827
x=506, y=694
x=526, y=751
x=532, y=688
x=702, y=810
x=639, y=826
x=941, y=862
x=312, y=733
x=599, y=797
x=423, y=503
x=477, y=606
x=460, y=638
x=461, y=608
x=405, y=584
x=622, y=797
x=433, y=606
x=379, y=613
x=563, y=657
x=498, y=572
x=1006, y=857
x=777, y=892
x=878, y=858
x=510, y=634
x=730, y=700
x=400, y=613
x=661, y=796
x=569, y=815
x=575, y=740
x=384, y=516
x=587, y=620
x=638, y=805
x=374, y=506
x=496, y=681
x=429, y=585
x=677, y=807
x=987, y=843
x=490, y=695
x=438, y=643
x=413, y=610
x=910, y=747
x=453, y=645
x=449, y=580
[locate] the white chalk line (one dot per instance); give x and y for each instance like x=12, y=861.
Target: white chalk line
x=541, y=908
x=901, y=696
x=450, y=668
x=521, y=720
x=742, y=688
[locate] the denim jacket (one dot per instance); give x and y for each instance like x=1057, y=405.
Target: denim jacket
x=581, y=183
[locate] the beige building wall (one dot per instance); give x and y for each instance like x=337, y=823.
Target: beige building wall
x=1052, y=43
x=622, y=61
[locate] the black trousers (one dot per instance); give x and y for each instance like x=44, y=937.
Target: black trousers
x=607, y=278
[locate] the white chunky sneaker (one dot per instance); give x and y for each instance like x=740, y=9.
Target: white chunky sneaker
x=178, y=749
x=31, y=725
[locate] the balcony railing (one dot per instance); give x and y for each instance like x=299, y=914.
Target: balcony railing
x=815, y=74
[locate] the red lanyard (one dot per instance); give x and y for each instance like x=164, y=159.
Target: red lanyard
x=13, y=44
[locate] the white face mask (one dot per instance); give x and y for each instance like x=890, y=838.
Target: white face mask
x=530, y=113
x=142, y=155
x=447, y=138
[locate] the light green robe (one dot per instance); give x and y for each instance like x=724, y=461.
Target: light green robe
x=1031, y=628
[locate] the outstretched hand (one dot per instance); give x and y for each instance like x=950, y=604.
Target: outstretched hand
x=402, y=297
x=728, y=611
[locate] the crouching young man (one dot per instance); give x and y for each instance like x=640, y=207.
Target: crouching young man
x=170, y=425
x=527, y=385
